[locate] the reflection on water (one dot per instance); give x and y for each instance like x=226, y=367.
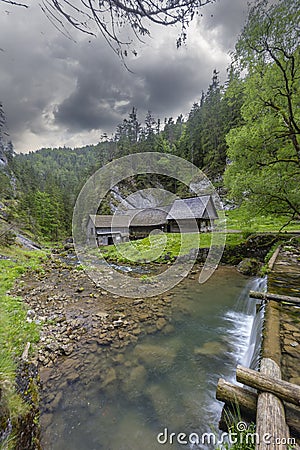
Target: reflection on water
x=166, y=381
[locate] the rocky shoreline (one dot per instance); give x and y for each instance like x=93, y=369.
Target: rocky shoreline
x=72, y=312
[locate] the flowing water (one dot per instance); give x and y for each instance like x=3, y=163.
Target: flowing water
x=166, y=383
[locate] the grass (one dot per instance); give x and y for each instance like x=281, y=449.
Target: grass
x=239, y=219
x=15, y=331
x=163, y=248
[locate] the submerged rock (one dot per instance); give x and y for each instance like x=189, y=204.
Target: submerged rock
x=156, y=357
x=161, y=323
x=110, y=377
x=133, y=385
x=212, y=348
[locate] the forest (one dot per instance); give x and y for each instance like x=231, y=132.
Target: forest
x=244, y=134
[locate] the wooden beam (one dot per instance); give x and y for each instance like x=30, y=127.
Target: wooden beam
x=244, y=401
x=237, y=397
x=269, y=383
x=270, y=414
x=276, y=298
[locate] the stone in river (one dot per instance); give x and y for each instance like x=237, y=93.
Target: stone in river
x=110, y=377
x=154, y=356
x=134, y=384
x=212, y=348
x=161, y=323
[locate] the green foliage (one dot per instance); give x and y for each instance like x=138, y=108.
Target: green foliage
x=15, y=331
x=244, y=220
x=264, y=153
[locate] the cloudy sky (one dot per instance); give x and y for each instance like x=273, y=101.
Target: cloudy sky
x=58, y=91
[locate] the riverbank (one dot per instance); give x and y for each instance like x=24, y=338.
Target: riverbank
x=18, y=380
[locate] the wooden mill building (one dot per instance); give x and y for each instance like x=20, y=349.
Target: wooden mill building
x=181, y=216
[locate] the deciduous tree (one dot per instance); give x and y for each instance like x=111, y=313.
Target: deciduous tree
x=265, y=151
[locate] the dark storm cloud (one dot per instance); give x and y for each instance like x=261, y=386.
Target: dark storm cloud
x=170, y=83
x=225, y=18
x=103, y=87
x=56, y=91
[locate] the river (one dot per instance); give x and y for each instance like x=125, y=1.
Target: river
x=163, y=384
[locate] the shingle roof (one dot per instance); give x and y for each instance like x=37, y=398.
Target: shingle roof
x=193, y=208
x=110, y=221
x=148, y=216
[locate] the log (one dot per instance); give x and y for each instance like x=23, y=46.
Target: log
x=268, y=383
x=274, y=257
x=275, y=297
x=240, y=399
x=270, y=415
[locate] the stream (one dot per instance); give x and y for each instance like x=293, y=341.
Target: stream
x=163, y=384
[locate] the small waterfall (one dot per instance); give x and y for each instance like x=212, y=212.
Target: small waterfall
x=255, y=311
x=243, y=330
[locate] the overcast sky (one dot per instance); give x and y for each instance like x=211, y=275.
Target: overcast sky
x=59, y=92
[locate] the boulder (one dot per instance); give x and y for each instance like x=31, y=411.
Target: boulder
x=249, y=266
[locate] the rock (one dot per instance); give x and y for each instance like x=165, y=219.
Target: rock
x=151, y=329
x=134, y=384
x=249, y=266
x=134, y=434
x=69, y=246
x=290, y=327
x=72, y=377
x=57, y=399
x=136, y=331
x=165, y=404
x=161, y=323
x=110, y=377
x=143, y=317
x=80, y=289
x=156, y=357
x=212, y=348
x=119, y=358
x=45, y=420
x=168, y=329
x=295, y=352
